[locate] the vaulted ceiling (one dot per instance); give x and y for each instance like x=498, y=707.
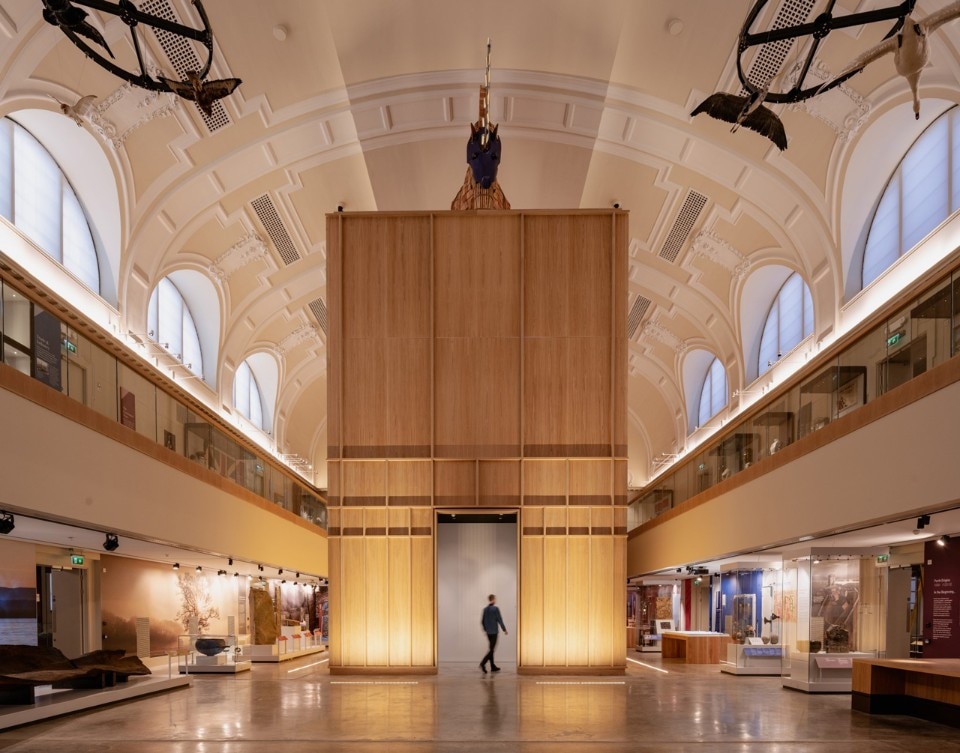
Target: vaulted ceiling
x=365, y=104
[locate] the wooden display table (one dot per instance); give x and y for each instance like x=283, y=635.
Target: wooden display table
x=694, y=646
x=927, y=688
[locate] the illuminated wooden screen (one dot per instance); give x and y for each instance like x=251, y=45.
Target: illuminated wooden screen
x=477, y=360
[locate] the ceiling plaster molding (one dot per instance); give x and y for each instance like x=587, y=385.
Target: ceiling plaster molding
x=842, y=109
x=128, y=108
x=304, y=334
x=655, y=330
x=710, y=246
x=247, y=250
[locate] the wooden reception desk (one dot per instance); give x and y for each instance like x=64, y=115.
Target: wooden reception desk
x=694, y=646
x=927, y=688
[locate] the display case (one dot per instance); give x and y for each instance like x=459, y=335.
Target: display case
x=209, y=654
x=749, y=603
x=833, y=611
x=831, y=394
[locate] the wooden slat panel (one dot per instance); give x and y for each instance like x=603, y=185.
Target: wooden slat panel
x=365, y=284
x=530, y=638
x=544, y=396
x=500, y=482
x=407, y=385
x=555, y=521
x=364, y=398
x=591, y=482
x=422, y=610
x=352, y=603
x=335, y=599
x=351, y=518
x=578, y=520
x=620, y=482
x=554, y=600
x=406, y=258
x=334, y=346
x=455, y=482
x=333, y=483
x=545, y=481
x=377, y=591
x=590, y=281
x=375, y=521
x=603, y=609
x=477, y=275
x=399, y=594
x=531, y=519
x=410, y=481
x=587, y=396
x=617, y=584
x=546, y=270
x=578, y=587
x=364, y=482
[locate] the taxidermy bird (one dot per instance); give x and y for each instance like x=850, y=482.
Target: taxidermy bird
x=769, y=620
x=80, y=110
x=910, y=49
x=64, y=14
x=748, y=111
x=204, y=93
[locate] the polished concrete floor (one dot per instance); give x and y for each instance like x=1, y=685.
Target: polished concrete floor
x=299, y=708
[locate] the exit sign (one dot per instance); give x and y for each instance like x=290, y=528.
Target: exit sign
x=76, y=559
x=894, y=339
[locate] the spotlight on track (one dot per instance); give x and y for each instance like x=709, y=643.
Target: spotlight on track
x=6, y=522
x=922, y=521
x=943, y=540
x=199, y=569
x=111, y=543
x=176, y=565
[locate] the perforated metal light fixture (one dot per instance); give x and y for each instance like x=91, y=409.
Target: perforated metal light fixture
x=111, y=543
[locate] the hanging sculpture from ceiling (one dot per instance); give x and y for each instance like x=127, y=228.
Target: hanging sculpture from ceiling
x=906, y=39
x=480, y=189
x=72, y=21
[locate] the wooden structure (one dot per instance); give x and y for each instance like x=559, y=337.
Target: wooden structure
x=694, y=647
x=927, y=688
x=477, y=361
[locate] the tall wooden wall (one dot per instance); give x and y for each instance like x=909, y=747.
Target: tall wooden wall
x=477, y=360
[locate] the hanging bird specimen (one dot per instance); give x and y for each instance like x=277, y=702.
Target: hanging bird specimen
x=745, y=111
x=72, y=21
x=910, y=48
x=204, y=93
x=751, y=109
x=79, y=111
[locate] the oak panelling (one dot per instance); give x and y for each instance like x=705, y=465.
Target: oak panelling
x=398, y=521
x=333, y=483
x=602, y=602
x=545, y=482
x=364, y=278
x=377, y=587
x=407, y=399
x=353, y=604
x=398, y=598
x=579, y=586
x=422, y=610
x=477, y=275
x=364, y=398
x=351, y=521
x=620, y=520
x=544, y=392
x=555, y=521
x=578, y=521
x=477, y=397
x=406, y=259
x=531, y=519
x=601, y=521
x=335, y=599
x=590, y=255
x=500, y=483
x=333, y=521
x=591, y=482
x=587, y=397
x=375, y=521
x=620, y=491
x=530, y=638
x=421, y=522
x=410, y=482
x=554, y=598
x=618, y=612
x=364, y=482
x=455, y=482
x=334, y=347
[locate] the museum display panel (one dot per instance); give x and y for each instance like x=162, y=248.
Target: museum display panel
x=833, y=611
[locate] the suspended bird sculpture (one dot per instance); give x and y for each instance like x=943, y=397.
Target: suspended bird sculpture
x=64, y=14
x=204, y=93
x=910, y=48
x=77, y=112
x=748, y=111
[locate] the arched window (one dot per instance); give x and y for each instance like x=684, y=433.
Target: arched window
x=37, y=198
x=923, y=191
x=246, y=395
x=789, y=320
x=713, y=394
x=171, y=325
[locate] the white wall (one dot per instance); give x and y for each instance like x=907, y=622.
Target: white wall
x=473, y=561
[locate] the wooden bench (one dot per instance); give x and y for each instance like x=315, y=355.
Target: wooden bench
x=925, y=688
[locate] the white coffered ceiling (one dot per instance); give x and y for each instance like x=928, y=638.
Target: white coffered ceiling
x=365, y=103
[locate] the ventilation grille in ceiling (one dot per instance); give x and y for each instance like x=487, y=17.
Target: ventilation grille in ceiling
x=183, y=58
x=319, y=309
x=275, y=228
x=637, y=311
x=687, y=217
x=769, y=60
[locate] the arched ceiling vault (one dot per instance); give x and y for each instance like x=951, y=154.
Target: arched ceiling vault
x=366, y=103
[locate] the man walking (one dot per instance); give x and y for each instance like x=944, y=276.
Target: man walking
x=491, y=620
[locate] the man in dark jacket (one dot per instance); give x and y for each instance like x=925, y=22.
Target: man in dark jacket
x=490, y=620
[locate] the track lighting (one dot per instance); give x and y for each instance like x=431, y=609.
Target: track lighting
x=922, y=521
x=942, y=541
x=221, y=573
x=230, y=561
x=6, y=522
x=280, y=571
x=298, y=573
x=199, y=569
x=111, y=543
x=236, y=575
x=284, y=580
x=260, y=568
x=176, y=565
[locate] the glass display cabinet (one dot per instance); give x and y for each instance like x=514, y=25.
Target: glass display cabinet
x=833, y=611
x=749, y=603
x=210, y=654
